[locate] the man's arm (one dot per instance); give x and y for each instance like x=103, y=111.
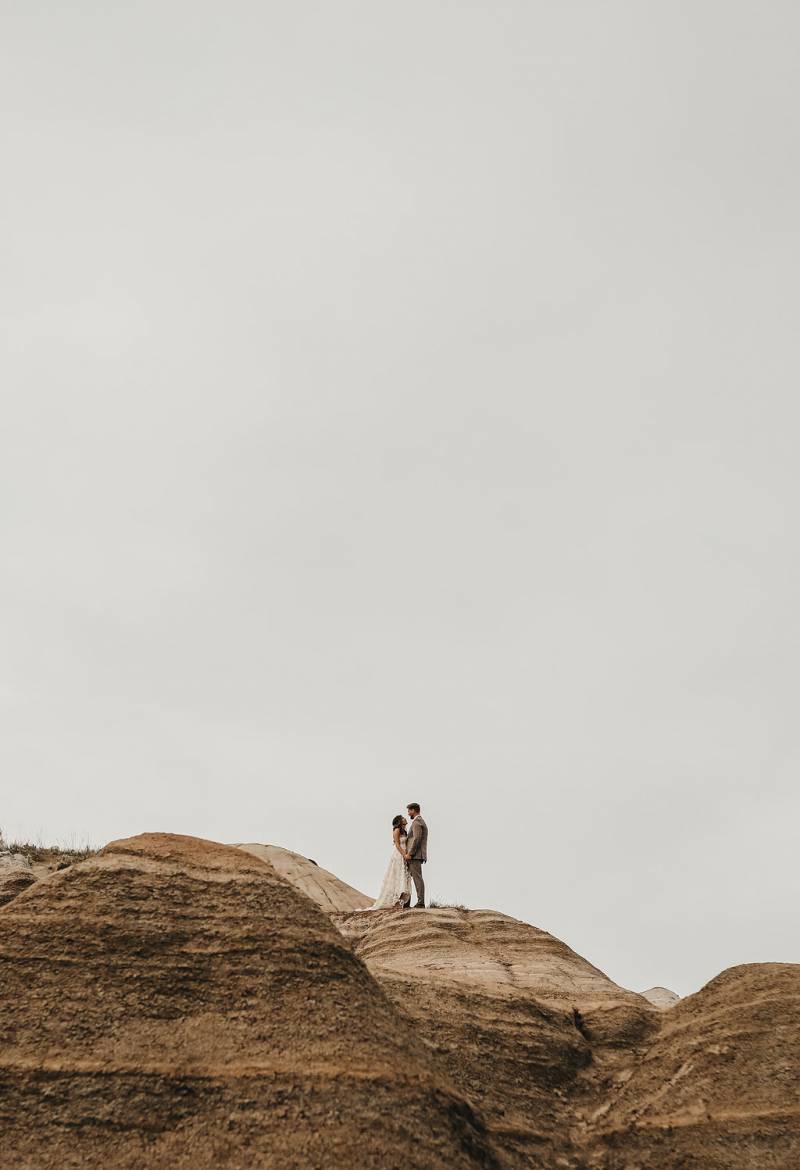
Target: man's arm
x=413, y=841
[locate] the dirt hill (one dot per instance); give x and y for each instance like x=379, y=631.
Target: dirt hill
x=718, y=1087
x=323, y=887
x=521, y=1022
x=571, y=1071
x=661, y=997
x=173, y=1003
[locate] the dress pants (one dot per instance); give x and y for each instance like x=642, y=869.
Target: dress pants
x=415, y=869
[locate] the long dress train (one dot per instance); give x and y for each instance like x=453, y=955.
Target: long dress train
x=396, y=886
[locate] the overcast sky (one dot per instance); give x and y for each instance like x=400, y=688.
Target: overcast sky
x=400, y=402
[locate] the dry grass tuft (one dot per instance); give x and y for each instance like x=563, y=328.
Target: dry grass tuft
x=59, y=856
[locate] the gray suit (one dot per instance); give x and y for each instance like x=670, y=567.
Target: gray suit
x=417, y=847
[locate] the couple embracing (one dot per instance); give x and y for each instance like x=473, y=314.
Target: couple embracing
x=409, y=854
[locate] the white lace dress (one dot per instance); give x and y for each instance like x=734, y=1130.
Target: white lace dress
x=397, y=883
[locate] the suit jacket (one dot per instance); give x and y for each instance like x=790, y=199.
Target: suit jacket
x=418, y=840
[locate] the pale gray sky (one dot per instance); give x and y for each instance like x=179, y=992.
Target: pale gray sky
x=399, y=401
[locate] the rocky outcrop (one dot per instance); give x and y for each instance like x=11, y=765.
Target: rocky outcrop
x=328, y=891
x=11, y=862
x=491, y=952
x=14, y=882
x=661, y=997
x=572, y=1071
x=16, y=875
x=175, y=1003
x=719, y=1085
x=516, y=1016
x=480, y=948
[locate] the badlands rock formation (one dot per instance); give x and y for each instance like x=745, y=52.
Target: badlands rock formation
x=174, y=1003
x=571, y=1071
x=661, y=997
x=521, y=1022
x=324, y=888
x=12, y=861
x=13, y=882
x=15, y=875
x=718, y=1087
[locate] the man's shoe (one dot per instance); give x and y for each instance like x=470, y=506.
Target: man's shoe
x=419, y=906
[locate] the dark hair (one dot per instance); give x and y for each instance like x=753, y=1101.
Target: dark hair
x=397, y=822
x=413, y=807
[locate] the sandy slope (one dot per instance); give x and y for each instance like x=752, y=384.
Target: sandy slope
x=719, y=1086
x=328, y=891
x=661, y=997
x=175, y=1003
x=570, y=1070
x=516, y=1016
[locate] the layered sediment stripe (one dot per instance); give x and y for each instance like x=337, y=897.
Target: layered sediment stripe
x=174, y=1002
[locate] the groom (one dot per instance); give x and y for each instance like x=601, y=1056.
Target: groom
x=417, y=850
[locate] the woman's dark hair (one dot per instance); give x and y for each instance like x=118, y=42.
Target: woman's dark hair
x=397, y=822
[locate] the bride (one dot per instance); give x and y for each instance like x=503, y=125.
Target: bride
x=396, y=888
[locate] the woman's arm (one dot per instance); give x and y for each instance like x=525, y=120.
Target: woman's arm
x=397, y=845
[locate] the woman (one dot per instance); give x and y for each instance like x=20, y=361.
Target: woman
x=396, y=888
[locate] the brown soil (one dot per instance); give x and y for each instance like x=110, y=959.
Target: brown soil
x=14, y=883
x=571, y=1071
x=719, y=1086
x=175, y=1003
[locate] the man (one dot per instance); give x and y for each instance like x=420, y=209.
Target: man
x=417, y=850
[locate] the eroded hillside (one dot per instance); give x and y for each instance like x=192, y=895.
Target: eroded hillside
x=172, y=1002
x=572, y=1071
x=528, y=1029
x=175, y=1003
